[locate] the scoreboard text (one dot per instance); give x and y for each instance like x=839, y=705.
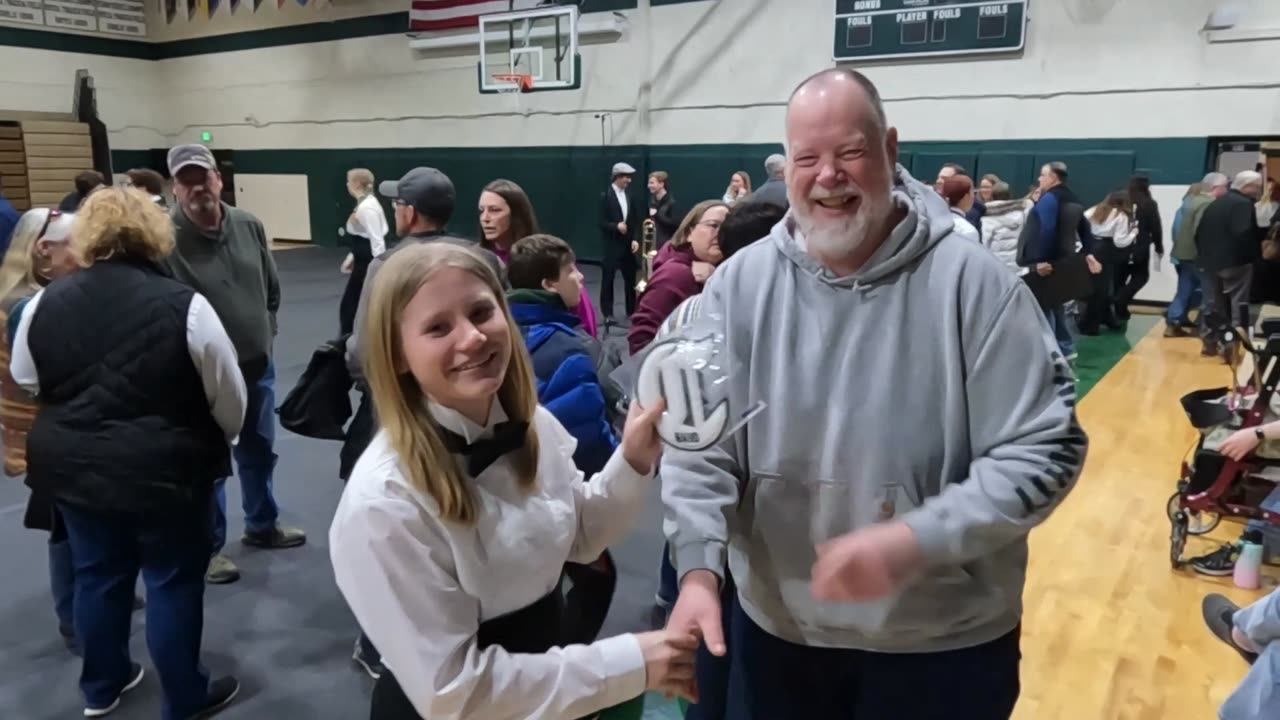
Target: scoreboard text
x=888, y=29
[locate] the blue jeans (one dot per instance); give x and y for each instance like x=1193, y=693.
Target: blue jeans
x=1257, y=697
x=1057, y=316
x=172, y=551
x=62, y=582
x=1270, y=533
x=785, y=680
x=255, y=462
x=1187, y=296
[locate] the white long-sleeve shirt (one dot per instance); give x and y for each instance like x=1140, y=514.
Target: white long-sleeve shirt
x=1117, y=227
x=211, y=352
x=420, y=586
x=370, y=222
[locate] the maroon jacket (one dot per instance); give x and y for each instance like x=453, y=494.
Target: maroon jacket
x=670, y=284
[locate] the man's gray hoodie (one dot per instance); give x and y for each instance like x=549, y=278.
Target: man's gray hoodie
x=926, y=387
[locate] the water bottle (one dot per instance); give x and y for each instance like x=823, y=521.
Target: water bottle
x=1248, y=569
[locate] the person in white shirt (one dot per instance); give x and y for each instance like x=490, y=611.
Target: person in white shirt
x=1114, y=230
x=366, y=230
x=141, y=398
x=455, y=525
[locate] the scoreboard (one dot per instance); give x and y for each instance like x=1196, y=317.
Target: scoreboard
x=901, y=29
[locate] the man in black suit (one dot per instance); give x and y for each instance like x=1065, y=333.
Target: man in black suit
x=620, y=218
x=662, y=209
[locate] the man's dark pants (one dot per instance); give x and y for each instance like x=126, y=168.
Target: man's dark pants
x=785, y=680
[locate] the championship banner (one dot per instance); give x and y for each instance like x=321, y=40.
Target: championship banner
x=170, y=10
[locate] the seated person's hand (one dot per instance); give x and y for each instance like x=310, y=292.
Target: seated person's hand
x=1239, y=444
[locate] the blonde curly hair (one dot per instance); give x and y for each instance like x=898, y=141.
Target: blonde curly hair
x=118, y=222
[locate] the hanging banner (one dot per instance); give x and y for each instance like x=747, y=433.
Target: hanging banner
x=122, y=17
x=257, y=4
x=213, y=7
x=233, y=6
x=27, y=12
x=71, y=15
x=170, y=10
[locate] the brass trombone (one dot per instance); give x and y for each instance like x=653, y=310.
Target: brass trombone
x=648, y=251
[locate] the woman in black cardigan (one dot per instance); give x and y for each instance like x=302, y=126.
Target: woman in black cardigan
x=1131, y=276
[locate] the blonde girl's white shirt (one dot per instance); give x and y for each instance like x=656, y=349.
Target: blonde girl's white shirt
x=1116, y=227
x=420, y=586
x=370, y=222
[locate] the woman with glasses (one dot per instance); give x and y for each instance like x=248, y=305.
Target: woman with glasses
x=140, y=399
x=39, y=251
x=679, y=270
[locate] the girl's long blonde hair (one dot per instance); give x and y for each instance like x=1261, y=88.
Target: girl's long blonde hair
x=400, y=404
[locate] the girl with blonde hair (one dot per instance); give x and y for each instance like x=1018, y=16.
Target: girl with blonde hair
x=456, y=523
x=140, y=398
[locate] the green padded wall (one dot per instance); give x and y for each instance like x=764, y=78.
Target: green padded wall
x=565, y=183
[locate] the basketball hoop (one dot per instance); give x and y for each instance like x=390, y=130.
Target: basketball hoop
x=516, y=82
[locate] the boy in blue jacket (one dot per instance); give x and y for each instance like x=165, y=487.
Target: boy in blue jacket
x=545, y=289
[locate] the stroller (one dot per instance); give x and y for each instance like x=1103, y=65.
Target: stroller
x=1212, y=486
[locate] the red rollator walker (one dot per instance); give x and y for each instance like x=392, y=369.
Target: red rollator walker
x=1213, y=486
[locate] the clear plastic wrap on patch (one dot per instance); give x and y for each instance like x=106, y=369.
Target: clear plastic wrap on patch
x=689, y=370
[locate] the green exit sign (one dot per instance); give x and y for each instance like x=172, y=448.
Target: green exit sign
x=206, y=136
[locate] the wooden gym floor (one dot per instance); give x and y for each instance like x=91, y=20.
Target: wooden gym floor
x=1110, y=631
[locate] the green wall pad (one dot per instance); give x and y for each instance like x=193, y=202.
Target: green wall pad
x=565, y=183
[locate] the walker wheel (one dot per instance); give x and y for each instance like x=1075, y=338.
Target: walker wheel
x=1178, y=539
x=1198, y=522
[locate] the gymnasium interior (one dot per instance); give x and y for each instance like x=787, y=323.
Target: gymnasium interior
x=291, y=95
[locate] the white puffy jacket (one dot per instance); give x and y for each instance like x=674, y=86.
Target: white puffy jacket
x=1001, y=227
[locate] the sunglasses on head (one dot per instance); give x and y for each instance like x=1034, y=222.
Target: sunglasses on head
x=54, y=214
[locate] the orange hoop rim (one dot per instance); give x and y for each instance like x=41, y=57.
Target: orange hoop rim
x=522, y=82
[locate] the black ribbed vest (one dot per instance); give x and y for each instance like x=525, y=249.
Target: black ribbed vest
x=123, y=423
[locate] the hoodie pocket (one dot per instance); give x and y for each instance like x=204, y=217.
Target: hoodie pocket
x=789, y=517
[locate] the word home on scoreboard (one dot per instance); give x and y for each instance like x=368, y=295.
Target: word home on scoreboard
x=892, y=29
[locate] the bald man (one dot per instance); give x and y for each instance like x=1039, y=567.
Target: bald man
x=875, y=515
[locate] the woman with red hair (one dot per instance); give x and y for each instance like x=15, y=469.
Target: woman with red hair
x=957, y=190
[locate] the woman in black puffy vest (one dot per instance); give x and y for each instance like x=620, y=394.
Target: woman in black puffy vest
x=140, y=398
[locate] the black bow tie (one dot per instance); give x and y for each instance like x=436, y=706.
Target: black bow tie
x=507, y=436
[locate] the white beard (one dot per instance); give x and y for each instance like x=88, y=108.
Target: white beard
x=842, y=237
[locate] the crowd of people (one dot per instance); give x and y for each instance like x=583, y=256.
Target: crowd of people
x=492, y=457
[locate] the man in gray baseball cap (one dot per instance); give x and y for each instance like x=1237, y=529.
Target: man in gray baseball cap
x=224, y=254
x=424, y=200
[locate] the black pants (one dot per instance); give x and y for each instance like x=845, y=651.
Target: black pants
x=785, y=680
x=534, y=629
x=355, y=283
x=1100, y=309
x=618, y=259
x=1131, y=276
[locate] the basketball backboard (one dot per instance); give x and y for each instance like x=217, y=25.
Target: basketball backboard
x=538, y=47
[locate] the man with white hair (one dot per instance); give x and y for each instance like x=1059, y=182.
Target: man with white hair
x=1185, y=225
x=774, y=190
x=875, y=514
x=1228, y=243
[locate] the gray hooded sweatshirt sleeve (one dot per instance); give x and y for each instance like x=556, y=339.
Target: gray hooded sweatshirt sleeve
x=925, y=388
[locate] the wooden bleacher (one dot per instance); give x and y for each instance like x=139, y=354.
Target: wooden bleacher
x=40, y=156
x=13, y=167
